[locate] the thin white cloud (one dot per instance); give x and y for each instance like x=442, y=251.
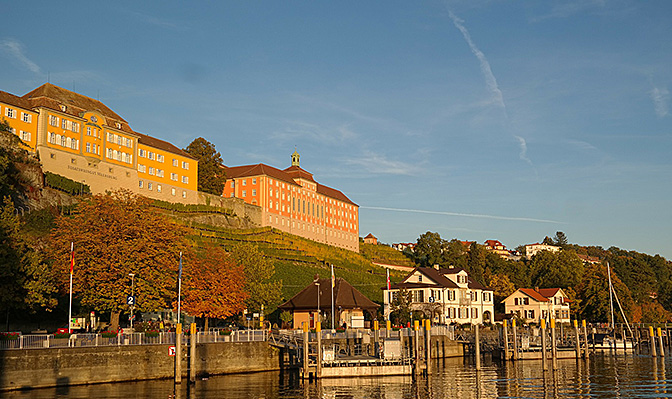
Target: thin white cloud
x=14, y=50
x=470, y=215
x=490, y=80
x=523, y=149
x=660, y=98
x=379, y=164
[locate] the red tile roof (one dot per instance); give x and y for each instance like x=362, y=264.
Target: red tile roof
x=533, y=294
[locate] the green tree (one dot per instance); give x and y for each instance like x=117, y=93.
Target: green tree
x=593, y=292
x=211, y=176
x=12, y=152
x=556, y=269
x=560, y=239
x=429, y=249
x=400, y=307
x=116, y=234
x=476, y=262
x=260, y=283
x=455, y=253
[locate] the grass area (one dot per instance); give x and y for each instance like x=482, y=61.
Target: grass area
x=297, y=260
x=384, y=254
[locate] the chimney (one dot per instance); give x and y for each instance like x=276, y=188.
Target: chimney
x=436, y=266
x=536, y=289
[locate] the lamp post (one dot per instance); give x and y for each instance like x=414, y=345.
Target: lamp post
x=131, y=275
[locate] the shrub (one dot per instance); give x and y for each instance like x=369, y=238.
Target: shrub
x=152, y=333
x=225, y=332
x=109, y=334
x=62, y=335
x=9, y=336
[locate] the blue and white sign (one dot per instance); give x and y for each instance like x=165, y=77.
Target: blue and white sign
x=431, y=299
x=130, y=300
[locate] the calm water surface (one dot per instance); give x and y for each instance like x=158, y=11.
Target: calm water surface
x=602, y=377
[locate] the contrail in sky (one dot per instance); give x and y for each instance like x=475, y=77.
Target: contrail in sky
x=470, y=215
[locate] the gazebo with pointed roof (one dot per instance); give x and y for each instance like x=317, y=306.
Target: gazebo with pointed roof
x=349, y=304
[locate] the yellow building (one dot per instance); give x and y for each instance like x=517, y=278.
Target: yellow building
x=81, y=138
x=292, y=201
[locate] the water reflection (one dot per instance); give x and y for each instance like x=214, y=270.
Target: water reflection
x=603, y=377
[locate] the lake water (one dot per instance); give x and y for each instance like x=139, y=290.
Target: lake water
x=604, y=376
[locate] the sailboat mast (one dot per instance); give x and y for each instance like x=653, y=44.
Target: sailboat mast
x=611, y=295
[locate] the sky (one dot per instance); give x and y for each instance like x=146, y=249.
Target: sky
x=505, y=120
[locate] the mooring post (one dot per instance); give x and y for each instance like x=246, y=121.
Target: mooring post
x=178, y=353
x=585, y=338
x=506, y=340
x=515, y=341
x=652, y=342
x=416, y=346
x=376, y=344
x=554, y=346
x=660, y=341
x=318, y=332
x=306, y=343
x=478, y=347
x=542, y=331
x=577, y=341
x=192, y=353
x=428, y=345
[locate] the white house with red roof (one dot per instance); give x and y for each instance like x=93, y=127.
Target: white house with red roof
x=539, y=303
x=447, y=295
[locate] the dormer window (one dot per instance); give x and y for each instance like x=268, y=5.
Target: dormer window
x=420, y=278
x=118, y=125
x=63, y=107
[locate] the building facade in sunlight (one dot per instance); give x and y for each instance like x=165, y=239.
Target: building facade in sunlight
x=292, y=201
x=82, y=139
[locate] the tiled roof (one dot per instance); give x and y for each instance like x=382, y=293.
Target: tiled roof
x=345, y=297
x=370, y=236
x=162, y=145
x=533, y=294
x=11, y=99
x=298, y=173
x=548, y=292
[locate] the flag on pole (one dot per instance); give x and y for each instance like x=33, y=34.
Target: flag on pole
x=333, y=278
x=389, y=286
x=180, y=270
x=72, y=256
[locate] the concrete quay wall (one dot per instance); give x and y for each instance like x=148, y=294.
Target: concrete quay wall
x=39, y=368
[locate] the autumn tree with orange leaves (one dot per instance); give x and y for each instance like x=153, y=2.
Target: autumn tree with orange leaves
x=116, y=234
x=212, y=285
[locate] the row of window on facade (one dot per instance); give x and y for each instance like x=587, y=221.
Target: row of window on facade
x=25, y=136
x=11, y=113
x=437, y=296
x=63, y=141
x=531, y=314
x=159, y=188
x=160, y=158
x=65, y=124
x=160, y=173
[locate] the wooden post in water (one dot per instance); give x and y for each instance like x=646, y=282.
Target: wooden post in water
x=376, y=336
x=577, y=341
x=515, y=341
x=660, y=340
x=192, y=353
x=318, y=332
x=585, y=338
x=306, y=347
x=506, y=340
x=478, y=347
x=178, y=353
x=428, y=345
x=542, y=331
x=652, y=342
x=416, y=346
x=554, y=346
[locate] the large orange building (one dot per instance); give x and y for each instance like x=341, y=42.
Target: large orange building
x=81, y=138
x=292, y=201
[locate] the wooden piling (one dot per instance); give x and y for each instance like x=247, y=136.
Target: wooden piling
x=318, y=332
x=585, y=338
x=178, y=353
x=376, y=336
x=416, y=346
x=506, y=341
x=428, y=345
x=660, y=339
x=652, y=342
x=554, y=346
x=515, y=341
x=306, y=342
x=192, y=353
x=478, y=347
x=577, y=341
x=544, y=357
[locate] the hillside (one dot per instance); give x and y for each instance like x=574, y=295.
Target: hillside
x=385, y=255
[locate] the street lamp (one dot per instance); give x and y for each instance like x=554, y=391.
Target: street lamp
x=131, y=275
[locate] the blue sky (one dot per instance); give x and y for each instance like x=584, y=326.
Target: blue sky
x=478, y=120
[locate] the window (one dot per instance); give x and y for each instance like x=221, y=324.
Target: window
x=88, y=130
x=173, y=176
x=420, y=278
x=159, y=158
x=151, y=171
x=142, y=153
x=254, y=180
x=175, y=162
x=172, y=190
x=141, y=183
x=63, y=141
x=159, y=172
x=149, y=185
x=142, y=168
x=150, y=155
x=185, y=165
x=233, y=184
x=418, y=296
x=158, y=188
x=184, y=194
x=185, y=179
x=88, y=147
x=244, y=182
x=244, y=193
x=26, y=117
x=25, y=136
x=53, y=120
x=254, y=193
x=10, y=113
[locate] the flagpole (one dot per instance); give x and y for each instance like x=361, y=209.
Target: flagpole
x=333, y=282
x=179, y=289
x=388, y=291
x=72, y=264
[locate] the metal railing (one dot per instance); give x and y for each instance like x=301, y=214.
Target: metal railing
x=40, y=341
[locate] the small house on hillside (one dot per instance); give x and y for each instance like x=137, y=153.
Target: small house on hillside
x=349, y=304
x=370, y=239
x=539, y=303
